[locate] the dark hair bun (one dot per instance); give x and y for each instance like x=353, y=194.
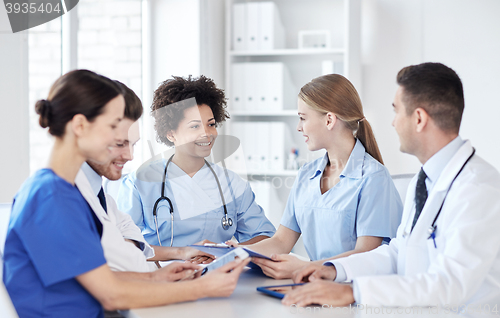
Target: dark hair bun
x=43, y=108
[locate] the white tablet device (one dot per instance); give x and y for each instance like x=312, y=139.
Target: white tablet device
x=226, y=258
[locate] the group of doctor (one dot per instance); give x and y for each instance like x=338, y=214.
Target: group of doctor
x=74, y=244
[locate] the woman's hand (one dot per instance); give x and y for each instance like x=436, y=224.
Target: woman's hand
x=195, y=256
x=282, y=265
x=175, y=271
x=232, y=243
x=222, y=281
x=320, y=292
x=205, y=241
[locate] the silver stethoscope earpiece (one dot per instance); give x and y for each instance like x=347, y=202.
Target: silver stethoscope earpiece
x=226, y=221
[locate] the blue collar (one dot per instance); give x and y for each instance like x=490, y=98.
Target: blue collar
x=94, y=178
x=353, y=168
x=436, y=164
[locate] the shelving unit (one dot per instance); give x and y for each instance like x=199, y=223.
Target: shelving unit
x=285, y=52
x=340, y=17
x=290, y=112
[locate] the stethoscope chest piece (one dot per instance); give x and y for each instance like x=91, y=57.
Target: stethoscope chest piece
x=226, y=222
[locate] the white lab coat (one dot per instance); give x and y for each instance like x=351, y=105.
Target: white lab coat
x=464, y=269
x=120, y=254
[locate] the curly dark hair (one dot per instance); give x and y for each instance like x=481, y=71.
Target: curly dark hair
x=178, y=88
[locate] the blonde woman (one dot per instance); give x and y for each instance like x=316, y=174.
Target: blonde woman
x=343, y=203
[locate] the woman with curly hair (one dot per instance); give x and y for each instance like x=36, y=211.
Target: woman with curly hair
x=54, y=264
x=199, y=200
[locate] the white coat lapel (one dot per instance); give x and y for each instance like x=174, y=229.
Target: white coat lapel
x=420, y=234
x=190, y=199
x=409, y=208
x=83, y=185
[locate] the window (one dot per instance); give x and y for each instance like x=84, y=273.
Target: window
x=109, y=42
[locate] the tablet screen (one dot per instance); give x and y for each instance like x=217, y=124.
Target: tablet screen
x=282, y=289
x=278, y=291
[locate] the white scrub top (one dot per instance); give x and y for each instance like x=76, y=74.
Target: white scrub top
x=197, y=203
x=365, y=202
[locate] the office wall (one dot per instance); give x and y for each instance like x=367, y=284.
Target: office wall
x=463, y=34
x=172, y=48
x=14, y=132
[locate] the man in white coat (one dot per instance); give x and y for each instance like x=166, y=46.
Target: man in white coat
x=446, y=252
x=123, y=244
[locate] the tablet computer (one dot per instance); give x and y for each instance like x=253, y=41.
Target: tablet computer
x=218, y=251
x=278, y=291
x=226, y=258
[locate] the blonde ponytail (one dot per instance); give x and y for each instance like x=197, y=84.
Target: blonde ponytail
x=367, y=138
x=334, y=93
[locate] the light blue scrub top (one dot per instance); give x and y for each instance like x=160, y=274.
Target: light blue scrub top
x=365, y=202
x=140, y=189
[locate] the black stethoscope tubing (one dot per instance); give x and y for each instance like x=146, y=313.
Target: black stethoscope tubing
x=226, y=221
x=433, y=227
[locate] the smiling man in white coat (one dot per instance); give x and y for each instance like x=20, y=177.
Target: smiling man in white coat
x=125, y=249
x=446, y=252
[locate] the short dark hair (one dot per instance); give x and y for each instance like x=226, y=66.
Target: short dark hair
x=437, y=89
x=133, y=105
x=76, y=92
x=172, y=91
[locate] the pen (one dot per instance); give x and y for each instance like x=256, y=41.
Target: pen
x=216, y=245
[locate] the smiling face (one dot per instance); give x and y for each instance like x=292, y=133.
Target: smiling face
x=196, y=133
x=98, y=137
x=312, y=125
x=123, y=151
x=403, y=123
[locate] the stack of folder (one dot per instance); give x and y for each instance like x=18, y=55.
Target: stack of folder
x=258, y=87
x=263, y=145
x=257, y=26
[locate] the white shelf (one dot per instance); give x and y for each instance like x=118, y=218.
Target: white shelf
x=287, y=52
x=291, y=112
x=279, y=173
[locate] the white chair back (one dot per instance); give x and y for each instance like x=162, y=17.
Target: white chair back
x=6, y=307
x=4, y=223
x=401, y=181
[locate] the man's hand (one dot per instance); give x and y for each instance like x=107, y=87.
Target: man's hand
x=321, y=293
x=282, y=265
x=175, y=271
x=314, y=272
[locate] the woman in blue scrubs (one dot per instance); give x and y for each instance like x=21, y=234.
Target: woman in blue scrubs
x=54, y=264
x=344, y=202
x=187, y=112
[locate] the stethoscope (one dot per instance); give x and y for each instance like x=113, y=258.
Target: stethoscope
x=226, y=221
x=432, y=229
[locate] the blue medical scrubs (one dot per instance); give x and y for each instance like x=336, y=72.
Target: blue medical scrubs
x=197, y=204
x=365, y=202
x=52, y=238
